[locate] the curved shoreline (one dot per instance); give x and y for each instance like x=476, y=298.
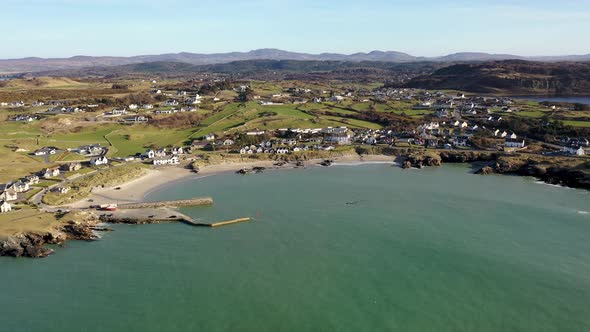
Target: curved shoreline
x=137, y=190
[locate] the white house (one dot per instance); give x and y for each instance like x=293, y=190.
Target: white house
x=209, y=137
x=9, y=196
x=177, y=150
x=194, y=101
x=62, y=190
x=514, y=143
x=31, y=179
x=20, y=187
x=45, y=151
x=371, y=140
x=50, y=172
x=166, y=160
x=97, y=161
x=5, y=207
x=574, y=150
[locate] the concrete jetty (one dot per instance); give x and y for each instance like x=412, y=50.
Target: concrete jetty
x=144, y=216
x=201, y=201
x=216, y=224
x=150, y=215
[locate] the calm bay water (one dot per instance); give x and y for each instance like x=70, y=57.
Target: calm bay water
x=572, y=99
x=430, y=250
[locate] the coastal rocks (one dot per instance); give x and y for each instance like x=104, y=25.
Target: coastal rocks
x=258, y=169
x=544, y=170
x=253, y=170
x=243, y=171
x=327, y=162
x=80, y=226
x=26, y=245
x=486, y=170
x=419, y=160
x=77, y=231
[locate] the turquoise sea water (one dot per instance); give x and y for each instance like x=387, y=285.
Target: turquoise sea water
x=437, y=249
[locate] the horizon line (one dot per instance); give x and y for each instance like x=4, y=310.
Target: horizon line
x=297, y=52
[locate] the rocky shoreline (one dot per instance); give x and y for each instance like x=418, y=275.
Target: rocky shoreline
x=564, y=171
x=80, y=226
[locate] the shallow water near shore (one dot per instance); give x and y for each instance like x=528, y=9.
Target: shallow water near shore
x=344, y=248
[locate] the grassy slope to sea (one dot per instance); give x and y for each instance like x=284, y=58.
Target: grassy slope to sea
x=26, y=221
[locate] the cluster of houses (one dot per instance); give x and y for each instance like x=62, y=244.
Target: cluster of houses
x=10, y=192
x=89, y=150
x=280, y=147
x=575, y=146
x=24, y=118
x=162, y=157
x=13, y=104
x=63, y=110
x=458, y=133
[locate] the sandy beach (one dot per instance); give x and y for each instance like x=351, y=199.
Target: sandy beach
x=136, y=190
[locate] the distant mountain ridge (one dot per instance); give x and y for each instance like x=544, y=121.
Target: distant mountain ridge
x=34, y=64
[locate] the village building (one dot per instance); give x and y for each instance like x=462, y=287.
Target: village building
x=50, y=172
x=574, y=150
x=136, y=118
x=92, y=149
x=71, y=167
x=31, y=179
x=45, y=151
x=8, y=195
x=62, y=190
x=5, y=206
x=24, y=118
x=97, y=161
x=166, y=160
x=514, y=143
x=151, y=154
x=177, y=150
x=19, y=187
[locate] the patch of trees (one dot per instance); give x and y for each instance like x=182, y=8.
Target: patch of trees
x=245, y=95
x=119, y=86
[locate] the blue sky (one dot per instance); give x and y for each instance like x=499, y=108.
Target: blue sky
x=60, y=28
